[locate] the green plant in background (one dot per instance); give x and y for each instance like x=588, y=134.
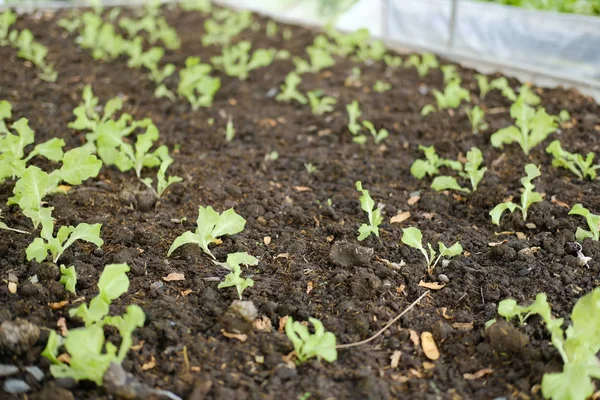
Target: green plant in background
x=589, y=7
x=87, y=118
x=574, y=162
x=5, y=113
x=321, y=344
x=162, y=182
x=528, y=197
x=234, y=278
x=577, y=345
x=592, y=220
x=378, y=136
x=450, y=73
x=30, y=50
x=289, y=90
x=236, y=60
x=7, y=19
x=68, y=278
x=373, y=213
x=472, y=172
x=413, y=237
x=476, y=117
x=381, y=86
x=392, y=61
x=432, y=163
x=203, y=6
x=319, y=60
x=224, y=26
x=427, y=109
x=196, y=85
x=90, y=355
x=501, y=84
x=319, y=103
x=452, y=96
x=354, y=113
x=229, y=130
x=211, y=225
x=310, y=168
x=423, y=64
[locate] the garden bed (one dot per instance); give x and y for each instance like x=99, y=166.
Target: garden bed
x=292, y=228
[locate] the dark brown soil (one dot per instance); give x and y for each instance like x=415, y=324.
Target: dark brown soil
x=353, y=301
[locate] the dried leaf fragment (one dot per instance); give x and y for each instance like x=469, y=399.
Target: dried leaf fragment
x=263, y=324
x=309, y=287
x=239, y=336
x=429, y=347
x=400, y=217
x=149, y=365
x=267, y=240
x=414, y=337
x=463, y=326
x=478, y=374
x=174, y=276
x=302, y=189
x=413, y=200
x=431, y=285
x=395, y=359
x=12, y=287
x=58, y=305
x=554, y=200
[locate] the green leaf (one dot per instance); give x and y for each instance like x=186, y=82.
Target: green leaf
x=572, y=384
x=185, y=238
x=593, y=222
x=234, y=279
x=113, y=281
x=68, y=278
x=447, y=183
x=374, y=215
x=452, y=251
x=497, y=211
x=289, y=89
x=52, y=150
x=86, y=232
x=321, y=344
x=472, y=170
x=32, y=187
x=52, y=346
x=79, y=165
x=427, y=109
x=241, y=258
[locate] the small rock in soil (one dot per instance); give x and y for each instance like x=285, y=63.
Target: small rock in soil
x=442, y=330
x=7, y=370
x=16, y=386
x=443, y=278
x=347, y=254
x=146, y=200
x=123, y=385
x=505, y=338
x=502, y=252
x=18, y=336
x=52, y=392
x=239, y=317
x=36, y=372
x=245, y=309
x=47, y=272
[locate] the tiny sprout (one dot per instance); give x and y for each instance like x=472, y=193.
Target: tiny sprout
x=310, y=168
x=229, y=130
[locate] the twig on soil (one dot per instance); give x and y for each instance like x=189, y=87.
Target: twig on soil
x=406, y=310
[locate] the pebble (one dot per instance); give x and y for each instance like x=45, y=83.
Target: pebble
x=36, y=372
x=347, y=254
x=16, y=386
x=245, y=309
x=443, y=278
x=7, y=370
x=18, y=336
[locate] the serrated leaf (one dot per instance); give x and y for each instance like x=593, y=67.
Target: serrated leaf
x=447, y=183
x=113, y=281
x=68, y=278
x=452, y=251
x=79, y=165
x=497, y=211
x=52, y=149
x=229, y=223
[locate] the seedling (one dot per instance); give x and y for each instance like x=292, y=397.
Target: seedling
x=424, y=64
x=162, y=181
x=35, y=52
x=289, y=89
x=381, y=86
x=377, y=136
x=450, y=73
x=211, y=225
x=321, y=344
x=203, y=6
x=592, y=220
x=528, y=197
x=413, y=237
x=229, y=130
x=320, y=104
x=310, y=168
x=319, y=59
x=471, y=172
x=87, y=118
x=67, y=235
x=236, y=60
x=271, y=29
x=392, y=61
x=577, y=345
x=5, y=113
x=373, y=213
x=476, y=117
x=89, y=353
x=196, y=85
x=7, y=19
x=427, y=109
x=68, y=277
x=574, y=162
x=531, y=127
x=353, y=80
x=224, y=26
x=354, y=127
x=564, y=116
x=370, y=51
x=452, y=96
x=234, y=278
x=431, y=164
x=446, y=182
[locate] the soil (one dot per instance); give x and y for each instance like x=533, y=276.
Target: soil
x=311, y=242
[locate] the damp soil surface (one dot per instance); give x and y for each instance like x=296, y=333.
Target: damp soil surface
x=303, y=228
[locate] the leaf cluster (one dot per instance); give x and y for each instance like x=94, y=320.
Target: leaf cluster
x=413, y=237
x=320, y=344
x=319, y=103
x=528, y=197
x=472, y=171
x=432, y=163
x=196, y=84
x=289, y=89
x=237, y=61
x=423, y=64
x=374, y=214
x=593, y=222
x=574, y=162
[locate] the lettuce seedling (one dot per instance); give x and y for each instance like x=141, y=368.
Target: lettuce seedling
x=203, y=6
x=372, y=50
x=577, y=345
x=446, y=182
x=101, y=38
x=381, y=86
x=211, y=225
x=234, y=278
x=531, y=127
x=354, y=127
x=162, y=182
x=229, y=130
x=7, y=19
x=195, y=78
x=476, y=117
x=5, y=113
x=12, y=149
x=424, y=64
x=231, y=24
x=452, y=96
x=35, y=52
x=471, y=172
x=592, y=220
x=450, y=73
x=413, y=237
x=68, y=277
x=67, y=235
x=392, y=61
x=236, y=60
x=377, y=136
x=87, y=118
x=574, y=162
x=7, y=228
x=528, y=197
x=431, y=164
x=501, y=84
x=427, y=109
x=353, y=80
x=564, y=116
x=321, y=344
x=484, y=85
x=310, y=168
x=373, y=213
x=319, y=59
x=289, y=89
x=320, y=104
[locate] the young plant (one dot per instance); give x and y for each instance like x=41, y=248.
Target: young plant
x=574, y=162
x=450, y=73
x=162, y=181
x=236, y=60
x=196, y=85
x=392, y=61
x=431, y=164
x=424, y=64
x=354, y=127
x=577, y=345
x=413, y=237
x=5, y=113
x=503, y=86
x=321, y=344
x=476, y=117
x=224, y=26
x=377, y=136
x=229, y=130
x=211, y=225
x=427, y=109
x=271, y=29
x=87, y=118
x=90, y=355
x=35, y=52
x=319, y=59
x=531, y=127
x=234, y=278
x=289, y=89
x=373, y=213
x=67, y=235
x=592, y=220
x=471, y=172
x=320, y=104
x=528, y=197
x=7, y=19
x=310, y=168
x=203, y=6
x=381, y=86
x=452, y=96
x=68, y=277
